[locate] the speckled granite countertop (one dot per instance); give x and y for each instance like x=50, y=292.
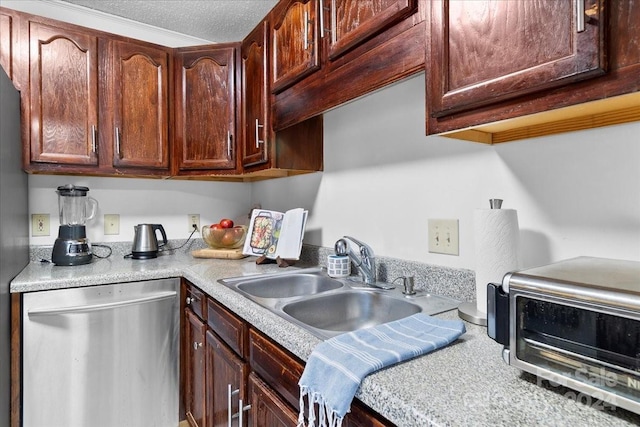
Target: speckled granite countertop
x=464, y=384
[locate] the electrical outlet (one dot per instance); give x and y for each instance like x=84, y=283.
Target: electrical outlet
x=194, y=219
x=443, y=236
x=40, y=225
x=111, y=224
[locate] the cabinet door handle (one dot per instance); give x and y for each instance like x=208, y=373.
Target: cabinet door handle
x=189, y=300
x=230, y=393
x=579, y=16
x=321, y=19
x=196, y=345
x=239, y=415
x=94, y=138
x=306, y=30
x=117, y=134
x=100, y=307
x=333, y=25
x=241, y=410
x=258, y=141
x=229, y=144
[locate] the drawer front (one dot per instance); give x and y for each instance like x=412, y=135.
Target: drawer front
x=230, y=328
x=195, y=299
x=282, y=371
x=278, y=368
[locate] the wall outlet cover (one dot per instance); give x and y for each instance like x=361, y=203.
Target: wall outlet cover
x=111, y=224
x=40, y=225
x=194, y=219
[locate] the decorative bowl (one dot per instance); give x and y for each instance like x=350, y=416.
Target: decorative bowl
x=224, y=238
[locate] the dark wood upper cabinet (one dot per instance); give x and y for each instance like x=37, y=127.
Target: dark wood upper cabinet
x=505, y=71
x=353, y=22
x=94, y=104
x=205, y=108
x=140, y=102
x=63, y=87
x=256, y=125
x=483, y=52
x=363, y=46
x=295, y=42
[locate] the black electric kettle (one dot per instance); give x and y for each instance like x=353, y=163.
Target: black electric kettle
x=145, y=241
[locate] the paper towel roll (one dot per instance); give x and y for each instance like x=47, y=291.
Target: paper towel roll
x=497, y=241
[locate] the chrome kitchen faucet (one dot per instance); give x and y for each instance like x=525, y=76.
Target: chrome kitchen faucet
x=366, y=262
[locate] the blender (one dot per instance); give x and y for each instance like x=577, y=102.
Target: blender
x=72, y=246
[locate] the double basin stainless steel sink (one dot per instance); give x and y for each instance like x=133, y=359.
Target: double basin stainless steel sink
x=327, y=307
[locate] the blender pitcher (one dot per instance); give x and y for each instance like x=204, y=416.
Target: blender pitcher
x=73, y=204
x=72, y=246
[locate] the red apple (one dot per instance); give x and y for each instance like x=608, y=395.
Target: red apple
x=226, y=223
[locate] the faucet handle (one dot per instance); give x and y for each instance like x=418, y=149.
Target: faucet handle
x=365, y=249
x=341, y=247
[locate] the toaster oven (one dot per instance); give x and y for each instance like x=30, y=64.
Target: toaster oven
x=574, y=323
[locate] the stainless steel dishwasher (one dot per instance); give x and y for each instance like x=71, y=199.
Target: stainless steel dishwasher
x=102, y=356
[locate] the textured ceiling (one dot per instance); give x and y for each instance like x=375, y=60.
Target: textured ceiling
x=214, y=20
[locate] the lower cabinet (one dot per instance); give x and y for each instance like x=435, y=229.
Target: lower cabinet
x=194, y=362
x=269, y=409
x=236, y=377
x=226, y=377
x=281, y=371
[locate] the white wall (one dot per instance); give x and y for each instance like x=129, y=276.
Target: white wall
x=576, y=193
x=138, y=201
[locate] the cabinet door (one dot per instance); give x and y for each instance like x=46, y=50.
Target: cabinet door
x=64, y=95
x=295, y=42
x=226, y=384
x=267, y=408
x=483, y=52
x=140, y=106
x=353, y=21
x=255, y=112
x=194, y=382
x=206, y=109
x=6, y=43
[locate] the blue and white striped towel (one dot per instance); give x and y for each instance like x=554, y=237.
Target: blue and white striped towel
x=337, y=366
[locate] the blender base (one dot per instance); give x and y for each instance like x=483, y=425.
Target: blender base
x=71, y=247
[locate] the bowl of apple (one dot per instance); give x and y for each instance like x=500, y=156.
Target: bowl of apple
x=224, y=235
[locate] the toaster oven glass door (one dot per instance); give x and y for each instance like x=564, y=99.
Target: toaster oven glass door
x=594, y=346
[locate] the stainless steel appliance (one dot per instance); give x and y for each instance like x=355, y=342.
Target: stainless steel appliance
x=575, y=323
x=102, y=356
x=72, y=246
x=14, y=225
x=145, y=241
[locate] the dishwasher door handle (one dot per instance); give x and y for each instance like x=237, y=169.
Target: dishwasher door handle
x=99, y=307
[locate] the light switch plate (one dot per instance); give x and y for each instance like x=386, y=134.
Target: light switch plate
x=443, y=236
x=40, y=225
x=111, y=224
